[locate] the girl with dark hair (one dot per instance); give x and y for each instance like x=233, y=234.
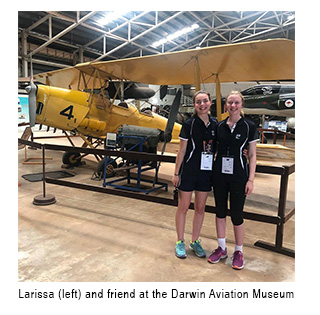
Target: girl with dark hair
x=193, y=171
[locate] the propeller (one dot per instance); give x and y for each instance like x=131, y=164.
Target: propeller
x=169, y=127
x=171, y=119
x=32, y=91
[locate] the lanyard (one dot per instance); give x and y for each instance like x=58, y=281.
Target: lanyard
x=229, y=137
x=207, y=146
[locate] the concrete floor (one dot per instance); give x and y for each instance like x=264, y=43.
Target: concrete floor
x=92, y=237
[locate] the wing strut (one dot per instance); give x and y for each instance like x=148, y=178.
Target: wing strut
x=197, y=74
x=220, y=115
x=218, y=97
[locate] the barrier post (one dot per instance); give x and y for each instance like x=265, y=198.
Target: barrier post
x=43, y=200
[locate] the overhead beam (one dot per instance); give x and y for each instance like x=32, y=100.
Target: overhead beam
x=138, y=36
x=110, y=33
x=245, y=27
x=253, y=23
x=46, y=63
x=34, y=25
x=68, y=29
x=220, y=27
x=210, y=29
x=99, y=30
x=215, y=30
x=269, y=30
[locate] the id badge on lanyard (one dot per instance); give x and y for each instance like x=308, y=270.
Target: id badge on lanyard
x=206, y=157
x=227, y=160
x=227, y=165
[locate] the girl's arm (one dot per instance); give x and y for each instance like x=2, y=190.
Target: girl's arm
x=252, y=167
x=179, y=159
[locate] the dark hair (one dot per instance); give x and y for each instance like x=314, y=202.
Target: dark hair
x=199, y=92
x=194, y=99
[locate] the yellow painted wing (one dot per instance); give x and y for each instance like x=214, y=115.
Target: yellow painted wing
x=251, y=61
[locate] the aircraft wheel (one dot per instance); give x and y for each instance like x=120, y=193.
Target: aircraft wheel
x=71, y=158
x=109, y=169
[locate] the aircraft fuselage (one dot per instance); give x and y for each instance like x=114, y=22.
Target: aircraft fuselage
x=91, y=114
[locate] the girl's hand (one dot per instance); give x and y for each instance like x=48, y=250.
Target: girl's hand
x=175, y=180
x=249, y=187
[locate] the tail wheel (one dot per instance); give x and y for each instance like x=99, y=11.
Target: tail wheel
x=111, y=165
x=71, y=158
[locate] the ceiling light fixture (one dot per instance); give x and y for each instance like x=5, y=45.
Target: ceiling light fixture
x=290, y=17
x=175, y=35
x=111, y=16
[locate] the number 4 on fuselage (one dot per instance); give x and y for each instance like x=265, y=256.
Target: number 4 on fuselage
x=67, y=112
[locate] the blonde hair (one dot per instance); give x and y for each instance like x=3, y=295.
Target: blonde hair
x=241, y=96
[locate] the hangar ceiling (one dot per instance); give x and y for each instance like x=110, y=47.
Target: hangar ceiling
x=57, y=39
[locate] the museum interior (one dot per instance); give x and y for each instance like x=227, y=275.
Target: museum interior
x=102, y=99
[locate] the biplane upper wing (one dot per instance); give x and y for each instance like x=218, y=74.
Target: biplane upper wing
x=263, y=60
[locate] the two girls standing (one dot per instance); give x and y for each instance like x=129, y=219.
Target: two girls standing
x=231, y=173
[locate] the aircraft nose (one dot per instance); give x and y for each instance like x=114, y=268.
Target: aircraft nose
x=28, y=89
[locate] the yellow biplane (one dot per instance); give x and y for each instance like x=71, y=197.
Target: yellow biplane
x=74, y=98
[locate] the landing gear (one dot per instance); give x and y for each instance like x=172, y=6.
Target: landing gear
x=111, y=165
x=71, y=158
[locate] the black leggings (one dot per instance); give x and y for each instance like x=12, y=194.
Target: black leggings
x=223, y=185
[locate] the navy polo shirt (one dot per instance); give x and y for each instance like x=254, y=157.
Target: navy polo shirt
x=197, y=133
x=232, y=143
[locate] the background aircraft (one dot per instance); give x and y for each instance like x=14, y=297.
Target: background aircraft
x=277, y=101
x=268, y=99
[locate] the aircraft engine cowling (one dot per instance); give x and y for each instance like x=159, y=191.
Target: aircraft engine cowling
x=61, y=108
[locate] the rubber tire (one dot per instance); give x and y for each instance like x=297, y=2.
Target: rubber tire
x=71, y=158
x=110, y=167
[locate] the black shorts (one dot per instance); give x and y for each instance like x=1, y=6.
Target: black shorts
x=199, y=182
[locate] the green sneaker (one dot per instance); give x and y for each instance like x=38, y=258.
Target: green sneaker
x=197, y=248
x=181, y=249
